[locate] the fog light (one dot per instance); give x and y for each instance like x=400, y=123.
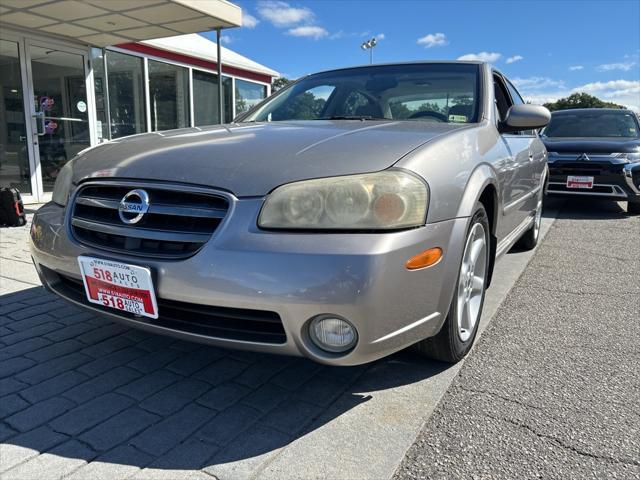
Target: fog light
x=332, y=334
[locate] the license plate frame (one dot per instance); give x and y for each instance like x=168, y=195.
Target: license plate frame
x=579, y=182
x=119, y=286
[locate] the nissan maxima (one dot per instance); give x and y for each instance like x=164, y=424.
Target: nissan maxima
x=352, y=214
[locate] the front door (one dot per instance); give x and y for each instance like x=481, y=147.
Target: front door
x=59, y=110
x=16, y=169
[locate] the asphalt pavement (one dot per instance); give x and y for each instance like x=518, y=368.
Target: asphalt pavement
x=552, y=389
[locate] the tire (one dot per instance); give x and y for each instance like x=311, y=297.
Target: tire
x=633, y=208
x=529, y=239
x=459, y=330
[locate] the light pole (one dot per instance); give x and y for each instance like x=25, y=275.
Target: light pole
x=368, y=45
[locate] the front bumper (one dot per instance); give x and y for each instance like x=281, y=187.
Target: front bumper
x=611, y=180
x=360, y=277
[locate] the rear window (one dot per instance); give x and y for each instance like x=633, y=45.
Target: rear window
x=593, y=124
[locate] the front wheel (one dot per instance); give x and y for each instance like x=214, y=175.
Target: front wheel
x=460, y=327
x=529, y=240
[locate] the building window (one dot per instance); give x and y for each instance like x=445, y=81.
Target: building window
x=205, y=98
x=97, y=61
x=126, y=94
x=168, y=95
x=248, y=95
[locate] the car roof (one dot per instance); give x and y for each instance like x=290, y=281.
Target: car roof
x=587, y=110
x=391, y=64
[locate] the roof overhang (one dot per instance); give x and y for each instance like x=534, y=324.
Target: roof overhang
x=101, y=23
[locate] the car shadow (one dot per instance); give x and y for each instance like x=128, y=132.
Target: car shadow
x=588, y=208
x=84, y=388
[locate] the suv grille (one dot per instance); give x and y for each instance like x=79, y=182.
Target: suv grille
x=177, y=224
x=584, y=168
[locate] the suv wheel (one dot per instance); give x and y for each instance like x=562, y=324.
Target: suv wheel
x=459, y=330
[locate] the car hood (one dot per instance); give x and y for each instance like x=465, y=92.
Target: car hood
x=592, y=145
x=252, y=159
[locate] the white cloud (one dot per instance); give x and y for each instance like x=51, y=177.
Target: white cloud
x=249, y=21
x=611, y=87
x=515, y=58
x=433, y=40
x=309, y=31
x=573, y=68
x=623, y=92
x=227, y=39
x=380, y=36
x=537, y=83
x=281, y=14
x=625, y=66
x=340, y=34
x=482, y=56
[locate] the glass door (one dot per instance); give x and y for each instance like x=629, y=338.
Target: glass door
x=15, y=166
x=59, y=109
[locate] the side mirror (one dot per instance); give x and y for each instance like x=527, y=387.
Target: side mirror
x=525, y=117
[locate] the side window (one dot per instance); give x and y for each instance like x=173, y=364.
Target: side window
x=517, y=100
x=503, y=102
x=515, y=96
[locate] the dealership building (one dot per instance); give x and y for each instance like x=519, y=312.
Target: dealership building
x=76, y=73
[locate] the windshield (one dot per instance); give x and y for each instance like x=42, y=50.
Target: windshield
x=421, y=92
x=593, y=124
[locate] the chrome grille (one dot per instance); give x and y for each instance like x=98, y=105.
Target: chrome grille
x=177, y=224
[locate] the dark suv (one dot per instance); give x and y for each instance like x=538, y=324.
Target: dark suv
x=595, y=152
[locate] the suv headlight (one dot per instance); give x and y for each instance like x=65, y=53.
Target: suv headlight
x=62, y=186
x=630, y=157
x=387, y=200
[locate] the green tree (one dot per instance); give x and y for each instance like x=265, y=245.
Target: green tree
x=302, y=107
x=580, y=100
x=279, y=83
x=399, y=111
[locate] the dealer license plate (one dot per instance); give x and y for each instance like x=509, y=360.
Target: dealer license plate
x=579, y=182
x=119, y=285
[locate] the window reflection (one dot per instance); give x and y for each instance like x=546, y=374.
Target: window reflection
x=60, y=95
x=205, y=95
x=14, y=156
x=126, y=94
x=168, y=95
x=248, y=95
x=97, y=61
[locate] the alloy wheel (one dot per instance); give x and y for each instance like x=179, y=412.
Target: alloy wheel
x=471, y=282
x=537, y=220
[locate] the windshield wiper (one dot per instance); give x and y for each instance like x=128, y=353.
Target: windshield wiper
x=353, y=117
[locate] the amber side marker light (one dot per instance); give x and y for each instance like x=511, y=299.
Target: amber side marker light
x=425, y=259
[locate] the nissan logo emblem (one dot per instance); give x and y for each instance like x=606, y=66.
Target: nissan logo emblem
x=133, y=206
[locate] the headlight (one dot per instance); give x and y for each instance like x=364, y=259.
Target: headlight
x=391, y=199
x=630, y=157
x=62, y=186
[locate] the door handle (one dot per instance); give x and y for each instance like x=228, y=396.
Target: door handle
x=40, y=129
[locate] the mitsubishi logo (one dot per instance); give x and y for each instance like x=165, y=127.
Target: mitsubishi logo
x=133, y=206
x=583, y=158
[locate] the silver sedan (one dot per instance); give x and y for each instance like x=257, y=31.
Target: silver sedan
x=354, y=213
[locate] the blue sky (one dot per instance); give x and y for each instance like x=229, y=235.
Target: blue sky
x=548, y=48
